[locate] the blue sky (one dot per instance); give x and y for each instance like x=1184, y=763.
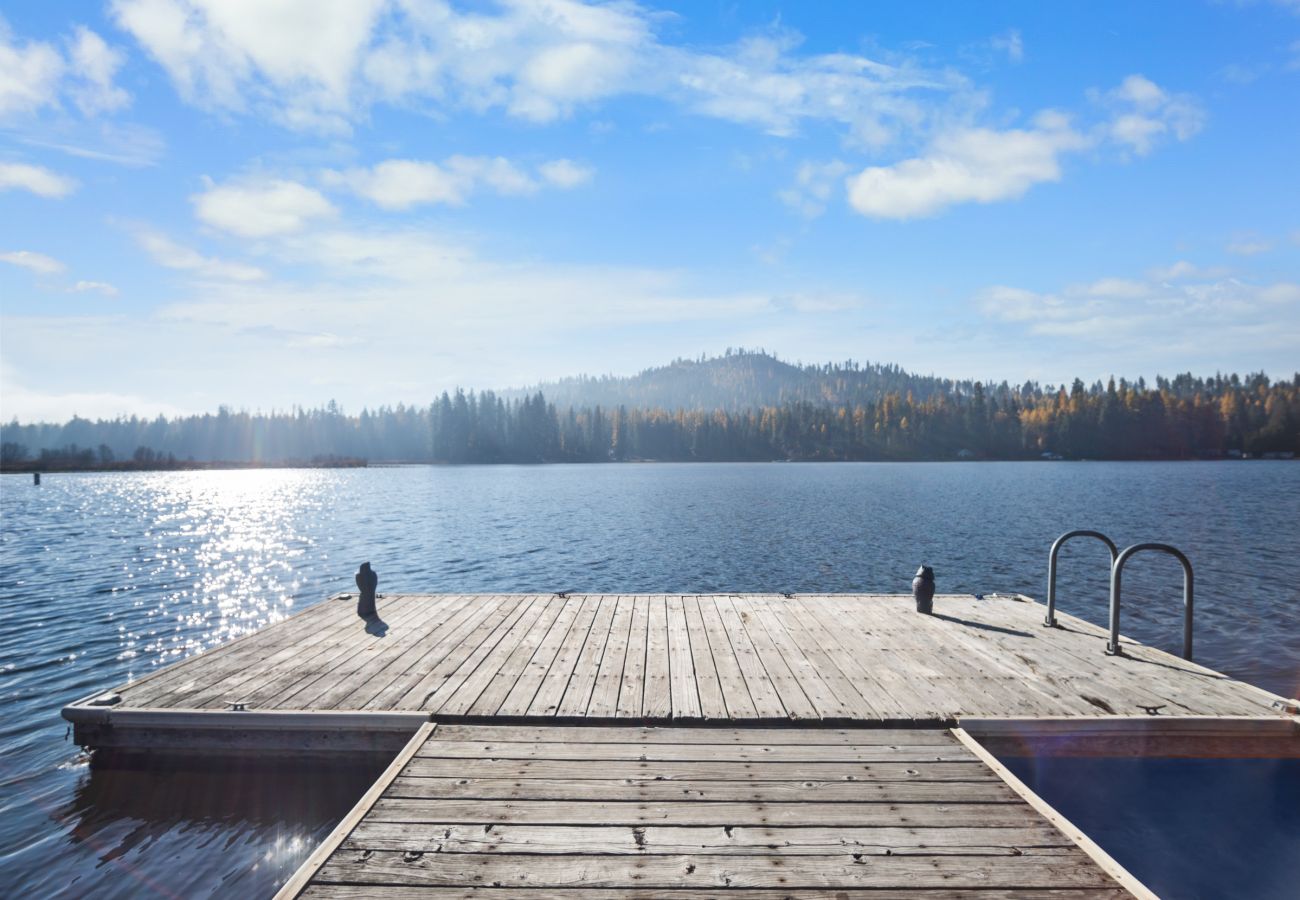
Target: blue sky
x=262, y=204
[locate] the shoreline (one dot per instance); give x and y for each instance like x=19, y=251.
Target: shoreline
x=193, y=466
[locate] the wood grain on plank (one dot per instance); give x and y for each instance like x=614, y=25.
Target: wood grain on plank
x=712, y=871
x=578, y=691
x=742, y=841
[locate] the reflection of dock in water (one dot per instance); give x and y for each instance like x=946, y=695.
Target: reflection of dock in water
x=703, y=745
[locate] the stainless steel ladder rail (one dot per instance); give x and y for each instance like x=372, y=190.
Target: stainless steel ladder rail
x=1116, y=572
x=1050, y=621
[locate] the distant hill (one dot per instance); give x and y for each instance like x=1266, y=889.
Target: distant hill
x=741, y=380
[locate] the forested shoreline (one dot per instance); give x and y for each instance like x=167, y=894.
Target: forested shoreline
x=1179, y=418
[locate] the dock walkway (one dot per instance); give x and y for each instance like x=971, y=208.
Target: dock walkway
x=512, y=811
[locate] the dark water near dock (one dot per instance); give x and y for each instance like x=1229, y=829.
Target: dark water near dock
x=1209, y=829
x=104, y=577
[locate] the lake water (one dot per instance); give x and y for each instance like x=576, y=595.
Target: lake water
x=1199, y=829
x=104, y=577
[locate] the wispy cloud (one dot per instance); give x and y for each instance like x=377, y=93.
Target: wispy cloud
x=36, y=179
x=398, y=184
x=96, y=287
x=29, y=73
x=30, y=404
x=565, y=173
x=169, y=254
x=536, y=61
x=1145, y=114
x=35, y=262
x=125, y=144
x=35, y=74
x=1249, y=246
x=1010, y=43
x=814, y=184
x=375, y=315
x=1184, y=270
x=96, y=65
x=1165, y=318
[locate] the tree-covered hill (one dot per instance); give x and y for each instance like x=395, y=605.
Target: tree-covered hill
x=740, y=380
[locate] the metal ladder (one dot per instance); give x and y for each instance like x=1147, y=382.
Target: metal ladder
x=1118, y=559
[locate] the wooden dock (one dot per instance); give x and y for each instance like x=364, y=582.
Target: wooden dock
x=603, y=812
x=322, y=680
x=687, y=746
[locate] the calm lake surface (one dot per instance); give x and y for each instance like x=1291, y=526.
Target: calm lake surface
x=104, y=577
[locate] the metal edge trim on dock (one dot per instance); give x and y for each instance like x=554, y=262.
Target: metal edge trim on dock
x=1103, y=859
x=302, y=878
x=250, y=719
x=1228, y=726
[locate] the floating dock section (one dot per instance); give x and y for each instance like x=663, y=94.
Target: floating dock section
x=742, y=745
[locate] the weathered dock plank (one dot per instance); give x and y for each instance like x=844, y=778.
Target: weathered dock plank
x=409, y=892
x=631, y=693
x=1039, y=839
x=901, y=767
x=609, y=677
x=579, y=689
x=445, y=836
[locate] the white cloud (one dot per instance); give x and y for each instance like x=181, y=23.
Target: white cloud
x=96, y=65
x=34, y=74
x=322, y=65
x=37, y=179
x=1145, y=113
x=29, y=73
x=983, y=165
x=397, y=184
x=36, y=262
x=565, y=173
x=403, y=183
x=101, y=287
x=168, y=253
x=977, y=165
x=1249, y=247
x=295, y=58
x=813, y=184
x=260, y=207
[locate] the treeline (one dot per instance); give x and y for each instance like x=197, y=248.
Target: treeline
x=1115, y=421
x=15, y=457
x=1181, y=418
